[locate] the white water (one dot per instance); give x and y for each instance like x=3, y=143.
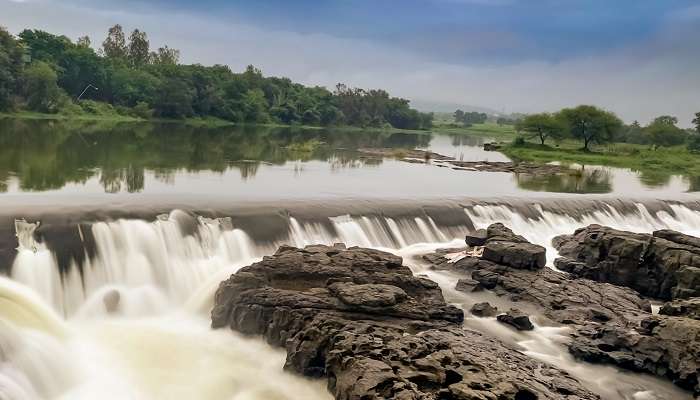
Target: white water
x=135, y=321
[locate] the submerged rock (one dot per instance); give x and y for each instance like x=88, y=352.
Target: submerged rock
x=361, y=319
x=665, y=264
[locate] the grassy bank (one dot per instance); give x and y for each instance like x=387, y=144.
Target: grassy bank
x=659, y=162
x=495, y=131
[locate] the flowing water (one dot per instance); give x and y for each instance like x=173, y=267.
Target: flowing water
x=106, y=295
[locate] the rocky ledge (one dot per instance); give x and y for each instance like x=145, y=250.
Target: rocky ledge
x=360, y=318
x=610, y=324
x=439, y=160
x=664, y=265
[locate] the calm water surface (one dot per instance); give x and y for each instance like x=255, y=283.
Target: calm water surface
x=117, y=161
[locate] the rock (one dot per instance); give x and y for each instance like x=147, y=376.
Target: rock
x=484, y=309
x=609, y=323
x=476, y=238
x=500, y=233
x=664, y=265
x=361, y=319
x=468, y=285
x=492, y=146
x=516, y=255
x=689, y=308
x=516, y=319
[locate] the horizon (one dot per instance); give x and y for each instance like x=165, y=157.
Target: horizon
x=634, y=58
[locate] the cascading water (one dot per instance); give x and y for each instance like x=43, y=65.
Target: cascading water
x=147, y=288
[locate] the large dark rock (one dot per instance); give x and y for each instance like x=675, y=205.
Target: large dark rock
x=689, y=308
x=516, y=319
x=361, y=319
x=610, y=324
x=664, y=265
x=484, y=309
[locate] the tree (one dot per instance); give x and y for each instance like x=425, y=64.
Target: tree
x=114, y=46
x=41, y=89
x=174, y=100
x=696, y=121
x=459, y=116
x=138, y=50
x=664, y=132
x=10, y=67
x=543, y=126
x=590, y=124
x=165, y=56
x=83, y=41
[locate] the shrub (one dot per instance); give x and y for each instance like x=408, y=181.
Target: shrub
x=519, y=141
x=694, y=144
x=142, y=110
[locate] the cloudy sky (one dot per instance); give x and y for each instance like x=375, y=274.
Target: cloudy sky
x=638, y=58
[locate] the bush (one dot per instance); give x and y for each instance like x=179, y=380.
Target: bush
x=142, y=110
x=694, y=144
x=97, y=108
x=519, y=141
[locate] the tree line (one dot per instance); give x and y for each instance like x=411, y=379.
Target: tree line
x=43, y=72
x=593, y=125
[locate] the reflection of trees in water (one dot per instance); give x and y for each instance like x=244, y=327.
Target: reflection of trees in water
x=465, y=140
x=48, y=154
x=579, y=181
x=693, y=183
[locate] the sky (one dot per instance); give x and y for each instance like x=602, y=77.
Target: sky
x=638, y=58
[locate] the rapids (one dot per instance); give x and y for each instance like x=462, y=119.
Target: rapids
x=129, y=319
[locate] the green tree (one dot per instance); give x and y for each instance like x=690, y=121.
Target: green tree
x=44, y=46
x=10, y=68
x=590, y=124
x=83, y=41
x=542, y=126
x=696, y=121
x=255, y=106
x=114, y=46
x=458, y=116
x=664, y=132
x=138, y=50
x=174, y=100
x=165, y=56
x=41, y=88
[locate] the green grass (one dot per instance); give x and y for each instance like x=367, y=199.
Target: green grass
x=495, y=131
x=654, y=163
x=79, y=117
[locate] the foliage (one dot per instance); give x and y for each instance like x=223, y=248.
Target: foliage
x=542, y=126
x=590, y=124
x=664, y=132
x=10, y=68
x=41, y=89
x=696, y=122
x=470, y=118
x=139, y=82
x=694, y=144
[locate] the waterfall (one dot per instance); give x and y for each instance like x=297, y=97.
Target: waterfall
x=145, y=288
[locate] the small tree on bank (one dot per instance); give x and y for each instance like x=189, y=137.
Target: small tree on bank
x=542, y=126
x=590, y=124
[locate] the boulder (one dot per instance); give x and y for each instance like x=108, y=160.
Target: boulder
x=689, y=308
x=516, y=255
x=516, y=319
x=360, y=318
x=476, y=238
x=665, y=264
x=484, y=309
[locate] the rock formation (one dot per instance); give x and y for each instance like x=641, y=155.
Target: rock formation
x=610, y=324
x=665, y=264
x=361, y=319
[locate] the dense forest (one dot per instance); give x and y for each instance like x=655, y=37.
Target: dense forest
x=49, y=73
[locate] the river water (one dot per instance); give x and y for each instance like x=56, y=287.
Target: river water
x=114, y=239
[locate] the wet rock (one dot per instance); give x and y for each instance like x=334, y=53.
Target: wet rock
x=516, y=319
x=476, y=238
x=664, y=265
x=610, y=324
x=361, y=319
x=516, y=255
x=484, y=309
x=468, y=285
x=689, y=308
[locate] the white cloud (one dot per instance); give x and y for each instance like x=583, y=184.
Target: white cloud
x=658, y=77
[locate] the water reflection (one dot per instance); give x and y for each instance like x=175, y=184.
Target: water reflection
x=583, y=180
x=45, y=155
